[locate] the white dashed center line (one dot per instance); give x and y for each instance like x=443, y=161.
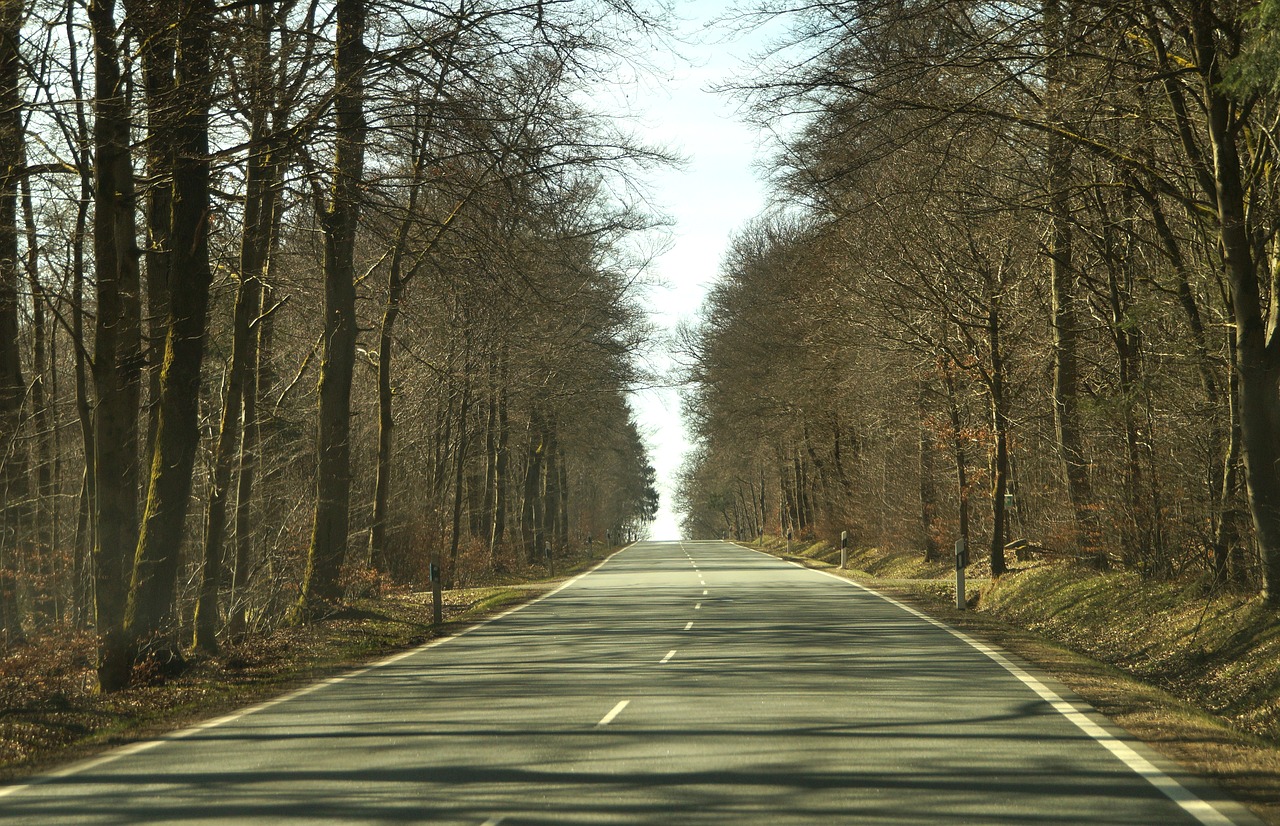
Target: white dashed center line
x=614, y=712
x=670, y=654
x=698, y=607
x=689, y=625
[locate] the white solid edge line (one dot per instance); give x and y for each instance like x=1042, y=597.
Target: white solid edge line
x=145, y=745
x=1192, y=804
x=667, y=658
x=613, y=712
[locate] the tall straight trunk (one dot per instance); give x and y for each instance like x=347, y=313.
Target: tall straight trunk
x=156, y=22
x=490, y=456
x=254, y=245
x=1063, y=290
x=396, y=279
x=1000, y=429
x=42, y=416
x=321, y=585
x=958, y=455
x=551, y=484
x=1227, y=539
x=501, y=459
x=13, y=470
x=117, y=352
x=562, y=509
x=258, y=373
x=460, y=462
x=764, y=505
x=928, y=488
x=247, y=462
x=85, y=541
x=386, y=419
x=530, y=513
x=155, y=570
x=1257, y=360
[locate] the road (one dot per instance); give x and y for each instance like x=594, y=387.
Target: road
x=680, y=683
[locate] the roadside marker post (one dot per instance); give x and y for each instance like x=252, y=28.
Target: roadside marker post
x=962, y=559
x=844, y=549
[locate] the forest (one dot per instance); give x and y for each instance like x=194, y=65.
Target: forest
x=300, y=299
x=1020, y=286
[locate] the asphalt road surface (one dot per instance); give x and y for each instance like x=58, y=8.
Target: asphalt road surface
x=681, y=683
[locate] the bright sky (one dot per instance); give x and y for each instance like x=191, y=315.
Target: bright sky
x=710, y=198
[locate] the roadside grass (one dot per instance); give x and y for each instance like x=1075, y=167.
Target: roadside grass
x=1193, y=672
x=50, y=713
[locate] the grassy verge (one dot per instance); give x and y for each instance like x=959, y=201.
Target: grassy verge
x=1195, y=674
x=50, y=713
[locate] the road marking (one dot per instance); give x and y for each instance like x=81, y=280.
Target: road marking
x=697, y=607
x=181, y=734
x=1203, y=811
x=670, y=654
x=613, y=712
x=705, y=592
x=493, y=821
x=688, y=625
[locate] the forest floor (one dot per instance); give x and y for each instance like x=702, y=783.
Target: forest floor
x=1192, y=671
x=50, y=713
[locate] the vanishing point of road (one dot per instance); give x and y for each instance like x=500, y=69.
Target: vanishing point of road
x=677, y=683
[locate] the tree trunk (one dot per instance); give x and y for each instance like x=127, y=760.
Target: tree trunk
x=254, y=245
x=928, y=490
x=958, y=453
x=530, y=520
x=551, y=486
x=13, y=470
x=117, y=362
x=45, y=603
x=1257, y=339
x=490, y=458
x=155, y=23
x=501, y=460
x=460, y=462
x=321, y=585
x=1000, y=427
x=1065, y=320
x=152, y=591
x=386, y=421
x=260, y=260
x=85, y=539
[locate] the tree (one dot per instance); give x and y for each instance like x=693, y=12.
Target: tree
x=117, y=352
x=321, y=586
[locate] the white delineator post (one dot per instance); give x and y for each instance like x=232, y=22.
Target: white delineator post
x=962, y=555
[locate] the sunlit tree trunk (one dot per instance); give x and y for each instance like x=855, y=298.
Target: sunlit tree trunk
x=1257, y=361
x=152, y=590
x=321, y=586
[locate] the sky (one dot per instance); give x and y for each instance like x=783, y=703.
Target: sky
x=709, y=198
